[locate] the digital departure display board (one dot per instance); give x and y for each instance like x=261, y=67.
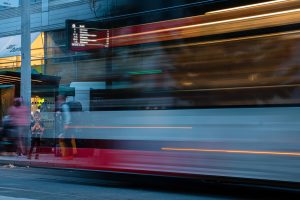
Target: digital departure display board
x=91, y=35
x=83, y=36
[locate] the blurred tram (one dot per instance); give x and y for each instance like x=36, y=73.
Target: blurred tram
x=216, y=94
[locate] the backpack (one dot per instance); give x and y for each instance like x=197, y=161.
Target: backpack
x=75, y=106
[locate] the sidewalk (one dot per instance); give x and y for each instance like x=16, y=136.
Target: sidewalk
x=45, y=160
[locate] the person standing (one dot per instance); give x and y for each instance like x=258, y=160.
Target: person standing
x=37, y=130
x=19, y=115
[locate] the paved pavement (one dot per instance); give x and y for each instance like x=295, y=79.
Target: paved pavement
x=19, y=183
x=47, y=160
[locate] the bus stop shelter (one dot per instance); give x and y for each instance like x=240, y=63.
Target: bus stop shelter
x=43, y=86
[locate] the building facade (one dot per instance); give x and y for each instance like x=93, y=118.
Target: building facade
x=102, y=68
x=50, y=54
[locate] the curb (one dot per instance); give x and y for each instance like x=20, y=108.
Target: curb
x=29, y=163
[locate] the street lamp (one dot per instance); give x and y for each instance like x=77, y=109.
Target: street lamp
x=25, y=84
x=25, y=53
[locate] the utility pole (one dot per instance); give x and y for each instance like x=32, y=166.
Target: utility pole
x=26, y=53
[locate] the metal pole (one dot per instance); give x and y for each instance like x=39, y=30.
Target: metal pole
x=26, y=53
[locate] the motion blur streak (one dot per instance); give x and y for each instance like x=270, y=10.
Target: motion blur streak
x=248, y=6
x=245, y=18
x=234, y=151
x=207, y=24
x=229, y=40
x=179, y=92
x=237, y=88
x=131, y=127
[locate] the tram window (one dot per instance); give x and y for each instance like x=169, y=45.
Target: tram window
x=244, y=72
x=210, y=60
